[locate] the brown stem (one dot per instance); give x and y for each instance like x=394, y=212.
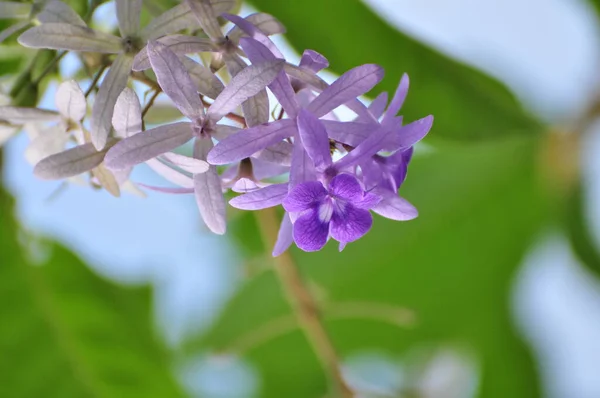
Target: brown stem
x=303, y=304
x=150, y=103
x=95, y=81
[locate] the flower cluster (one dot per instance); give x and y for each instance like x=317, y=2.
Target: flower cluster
x=328, y=174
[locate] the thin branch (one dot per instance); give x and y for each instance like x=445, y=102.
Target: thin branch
x=150, y=103
x=49, y=67
x=304, y=305
x=95, y=81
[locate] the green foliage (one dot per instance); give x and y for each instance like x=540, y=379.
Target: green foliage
x=480, y=208
x=467, y=104
x=69, y=333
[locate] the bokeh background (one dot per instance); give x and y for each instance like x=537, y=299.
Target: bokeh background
x=492, y=292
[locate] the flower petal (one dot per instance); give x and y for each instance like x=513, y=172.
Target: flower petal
x=70, y=101
x=266, y=23
x=128, y=16
x=50, y=141
x=313, y=60
x=108, y=93
x=263, y=198
x=174, y=79
x=279, y=154
x=256, y=109
x=255, y=33
x=396, y=208
x=285, y=236
x=127, y=117
x=314, y=138
x=281, y=86
x=244, y=85
x=147, y=145
x=209, y=191
x=62, y=36
x=350, y=133
x=186, y=163
x=179, y=44
x=176, y=191
x=171, y=21
x=206, y=16
x=302, y=168
x=347, y=87
x=347, y=187
x=222, y=131
x=304, y=196
x=206, y=82
x=107, y=180
x=14, y=9
x=174, y=176
x=56, y=11
x=368, y=201
x=412, y=133
x=21, y=115
x=397, y=101
x=69, y=163
x=249, y=141
x=310, y=234
x=378, y=105
x=350, y=224
x=374, y=143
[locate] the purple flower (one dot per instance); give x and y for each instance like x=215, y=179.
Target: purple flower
x=175, y=81
x=339, y=210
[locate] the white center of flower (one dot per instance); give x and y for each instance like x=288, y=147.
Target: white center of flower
x=326, y=210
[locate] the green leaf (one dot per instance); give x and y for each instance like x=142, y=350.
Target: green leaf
x=453, y=267
x=68, y=333
x=467, y=104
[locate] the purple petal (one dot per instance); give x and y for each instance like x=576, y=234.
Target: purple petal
x=263, y=198
x=244, y=85
x=247, y=142
x=209, y=191
x=281, y=86
x=285, y=237
x=179, y=44
x=256, y=109
x=304, y=196
x=397, y=101
x=302, y=168
x=178, y=191
x=374, y=143
x=254, y=33
x=313, y=60
x=351, y=133
x=263, y=170
x=222, y=131
x=21, y=115
x=128, y=16
x=245, y=185
x=350, y=224
x=347, y=87
x=147, y=145
x=62, y=36
x=314, y=138
x=414, y=132
x=378, y=105
x=186, y=163
x=279, y=154
x=108, y=93
x=396, y=208
x=56, y=11
x=170, y=174
x=266, y=23
x=368, y=201
x=174, y=79
x=347, y=187
x=69, y=163
x=173, y=20
x=310, y=233
x=205, y=14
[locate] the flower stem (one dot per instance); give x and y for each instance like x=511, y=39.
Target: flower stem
x=303, y=305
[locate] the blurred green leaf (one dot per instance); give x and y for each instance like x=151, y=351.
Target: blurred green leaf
x=578, y=231
x=68, y=333
x=480, y=208
x=467, y=104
